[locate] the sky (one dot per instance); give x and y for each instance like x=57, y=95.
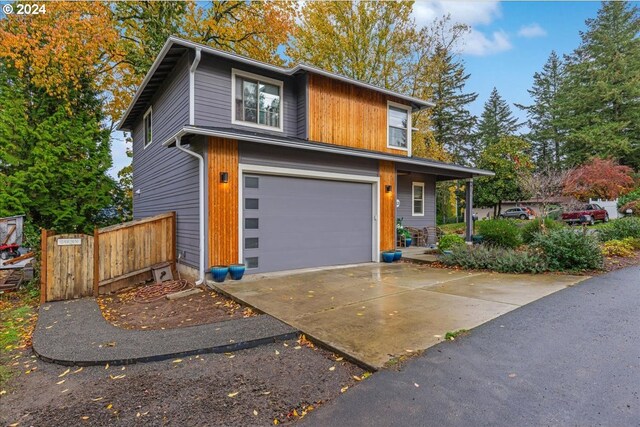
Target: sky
x=509, y=41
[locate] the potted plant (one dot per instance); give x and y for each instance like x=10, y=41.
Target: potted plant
x=219, y=273
x=403, y=233
x=388, y=256
x=236, y=271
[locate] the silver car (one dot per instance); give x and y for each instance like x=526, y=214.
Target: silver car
x=519, y=213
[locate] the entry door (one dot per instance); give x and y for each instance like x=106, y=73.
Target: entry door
x=291, y=222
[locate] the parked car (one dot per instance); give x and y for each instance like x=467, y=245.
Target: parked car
x=518, y=213
x=589, y=215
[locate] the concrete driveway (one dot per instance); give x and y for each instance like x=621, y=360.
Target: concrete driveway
x=376, y=312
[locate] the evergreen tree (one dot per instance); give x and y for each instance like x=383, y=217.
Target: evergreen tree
x=544, y=134
x=599, y=99
x=451, y=121
x=497, y=121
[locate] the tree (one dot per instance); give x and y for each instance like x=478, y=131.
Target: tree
x=599, y=179
x=545, y=186
x=451, y=121
x=497, y=120
x=599, y=98
x=545, y=135
x=508, y=159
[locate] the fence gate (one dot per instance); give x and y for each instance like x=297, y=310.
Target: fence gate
x=69, y=266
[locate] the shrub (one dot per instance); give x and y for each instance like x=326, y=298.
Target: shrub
x=496, y=259
x=449, y=241
x=619, y=248
x=633, y=241
x=629, y=197
x=620, y=229
x=566, y=249
x=502, y=233
x=533, y=227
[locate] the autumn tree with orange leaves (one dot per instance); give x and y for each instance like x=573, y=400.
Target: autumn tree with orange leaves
x=599, y=179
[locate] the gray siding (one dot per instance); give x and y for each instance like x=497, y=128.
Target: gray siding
x=267, y=155
x=213, y=96
x=404, y=183
x=167, y=178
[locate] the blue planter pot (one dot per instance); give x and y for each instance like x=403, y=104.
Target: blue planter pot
x=236, y=271
x=219, y=273
x=408, y=241
x=397, y=255
x=388, y=256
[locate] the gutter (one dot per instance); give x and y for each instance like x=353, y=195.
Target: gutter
x=192, y=86
x=179, y=146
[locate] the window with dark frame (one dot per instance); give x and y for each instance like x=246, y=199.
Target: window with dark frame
x=148, y=130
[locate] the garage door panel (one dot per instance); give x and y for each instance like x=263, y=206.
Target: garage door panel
x=308, y=222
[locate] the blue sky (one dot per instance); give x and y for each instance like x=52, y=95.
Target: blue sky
x=509, y=41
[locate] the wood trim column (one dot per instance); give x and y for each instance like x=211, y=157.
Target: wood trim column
x=222, y=201
x=387, y=172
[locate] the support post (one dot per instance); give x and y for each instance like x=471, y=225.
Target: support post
x=96, y=262
x=468, y=212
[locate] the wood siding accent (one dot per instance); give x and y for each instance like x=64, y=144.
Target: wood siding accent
x=387, y=205
x=223, y=201
x=343, y=114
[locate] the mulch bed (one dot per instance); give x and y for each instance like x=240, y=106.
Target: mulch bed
x=616, y=263
x=273, y=384
x=124, y=311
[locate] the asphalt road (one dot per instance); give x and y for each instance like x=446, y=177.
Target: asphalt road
x=571, y=358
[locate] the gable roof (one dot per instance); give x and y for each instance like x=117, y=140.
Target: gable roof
x=175, y=47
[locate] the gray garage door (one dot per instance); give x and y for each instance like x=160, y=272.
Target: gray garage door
x=291, y=223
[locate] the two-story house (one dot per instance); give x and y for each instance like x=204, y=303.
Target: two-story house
x=277, y=168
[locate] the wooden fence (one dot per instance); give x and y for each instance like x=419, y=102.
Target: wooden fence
x=78, y=265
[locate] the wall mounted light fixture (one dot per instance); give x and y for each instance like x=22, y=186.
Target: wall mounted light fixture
x=224, y=177
x=387, y=189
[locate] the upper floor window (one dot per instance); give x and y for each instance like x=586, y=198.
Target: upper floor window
x=257, y=101
x=417, y=199
x=399, y=126
x=148, y=132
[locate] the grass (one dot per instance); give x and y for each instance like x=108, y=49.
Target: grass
x=450, y=336
x=455, y=228
x=17, y=318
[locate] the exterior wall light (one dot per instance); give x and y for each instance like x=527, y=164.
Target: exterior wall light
x=224, y=177
x=387, y=189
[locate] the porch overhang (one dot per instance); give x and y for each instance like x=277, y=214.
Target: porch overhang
x=442, y=170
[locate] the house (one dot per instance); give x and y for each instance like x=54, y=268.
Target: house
x=277, y=168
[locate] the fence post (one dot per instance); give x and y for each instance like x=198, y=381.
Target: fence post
x=173, y=238
x=96, y=261
x=43, y=265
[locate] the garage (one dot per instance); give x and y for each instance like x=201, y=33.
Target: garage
x=291, y=222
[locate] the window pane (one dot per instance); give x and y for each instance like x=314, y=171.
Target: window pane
x=251, y=223
x=269, y=104
x=251, y=182
x=251, y=262
x=397, y=137
x=417, y=206
x=251, y=203
x=398, y=117
x=417, y=192
x=250, y=98
x=251, y=243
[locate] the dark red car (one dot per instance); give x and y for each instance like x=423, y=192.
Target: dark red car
x=589, y=215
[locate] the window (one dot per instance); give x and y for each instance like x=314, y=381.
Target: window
x=251, y=243
x=418, y=199
x=147, y=127
x=399, y=126
x=251, y=262
x=257, y=101
x=251, y=203
x=251, y=182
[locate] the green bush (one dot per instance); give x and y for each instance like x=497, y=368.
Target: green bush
x=502, y=233
x=567, y=249
x=449, y=241
x=620, y=229
x=618, y=248
x=633, y=241
x=495, y=259
x=533, y=227
x=629, y=197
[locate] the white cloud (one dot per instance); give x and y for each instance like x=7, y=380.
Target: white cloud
x=466, y=12
x=478, y=44
x=531, y=31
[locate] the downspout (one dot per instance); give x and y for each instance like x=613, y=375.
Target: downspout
x=201, y=203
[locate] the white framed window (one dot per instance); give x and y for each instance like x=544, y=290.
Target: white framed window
x=148, y=129
x=417, y=199
x=257, y=101
x=399, y=126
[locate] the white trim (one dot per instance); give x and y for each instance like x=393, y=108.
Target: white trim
x=235, y=72
x=413, y=200
x=149, y=112
x=407, y=108
x=301, y=173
